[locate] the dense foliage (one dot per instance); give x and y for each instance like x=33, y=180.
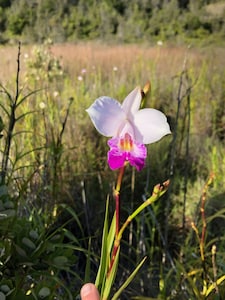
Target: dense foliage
x=118, y=20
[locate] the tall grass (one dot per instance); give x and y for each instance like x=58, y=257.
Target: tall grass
x=56, y=163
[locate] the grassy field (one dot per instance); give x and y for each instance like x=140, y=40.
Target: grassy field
x=57, y=175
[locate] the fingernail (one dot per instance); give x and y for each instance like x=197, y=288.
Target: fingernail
x=86, y=290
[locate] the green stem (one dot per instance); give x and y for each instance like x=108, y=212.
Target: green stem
x=117, y=198
x=158, y=191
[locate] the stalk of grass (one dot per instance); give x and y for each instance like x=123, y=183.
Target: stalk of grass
x=12, y=119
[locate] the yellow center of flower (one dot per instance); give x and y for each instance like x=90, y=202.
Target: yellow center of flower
x=126, y=143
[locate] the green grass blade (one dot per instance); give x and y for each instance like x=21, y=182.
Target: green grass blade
x=111, y=237
x=129, y=279
x=214, y=285
x=103, y=260
x=74, y=215
x=111, y=277
x=27, y=96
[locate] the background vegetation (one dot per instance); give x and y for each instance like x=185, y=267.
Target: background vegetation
x=54, y=177
x=118, y=21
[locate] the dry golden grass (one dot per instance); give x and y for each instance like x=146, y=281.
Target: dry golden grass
x=216, y=9
x=125, y=57
x=134, y=63
x=167, y=60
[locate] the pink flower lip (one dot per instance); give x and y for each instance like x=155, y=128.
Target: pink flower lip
x=124, y=150
x=126, y=143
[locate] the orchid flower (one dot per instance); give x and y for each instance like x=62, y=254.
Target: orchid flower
x=130, y=128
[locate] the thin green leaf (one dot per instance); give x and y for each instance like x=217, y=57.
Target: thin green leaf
x=70, y=236
x=7, y=93
x=129, y=279
x=28, y=95
x=21, y=155
x=5, y=110
x=111, y=237
x=194, y=287
x=20, y=132
x=102, y=271
x=25, y=114
x=111, y=277
x=218, y=214
x=214, y=285
x=74, y=215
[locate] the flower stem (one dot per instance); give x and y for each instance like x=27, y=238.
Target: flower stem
x=117, y=198
x=158, y=191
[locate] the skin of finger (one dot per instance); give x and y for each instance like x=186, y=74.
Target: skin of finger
x=89, y=292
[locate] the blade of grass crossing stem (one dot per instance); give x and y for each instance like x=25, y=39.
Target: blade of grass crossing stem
x=129, y=279
x=111, y=277
x=102, y=270
x=111, y=236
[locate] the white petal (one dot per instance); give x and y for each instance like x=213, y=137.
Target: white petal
x=151, y=125
x=107, y=115
x=131, y=103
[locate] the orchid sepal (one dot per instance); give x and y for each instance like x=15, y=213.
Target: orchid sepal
x=143, y=126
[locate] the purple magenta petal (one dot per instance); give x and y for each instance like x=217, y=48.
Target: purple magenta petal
x=137, y=156
x=117, y=157
x=116, y=160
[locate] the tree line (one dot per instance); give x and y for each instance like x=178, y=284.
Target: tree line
x=110, y=20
